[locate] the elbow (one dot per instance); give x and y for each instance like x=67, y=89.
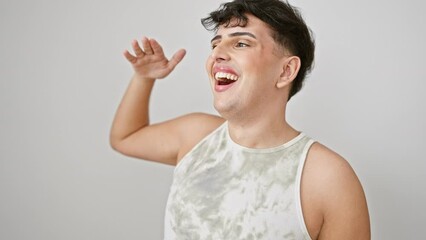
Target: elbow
x=116, y=144
x=113, y=144
x=121, y=145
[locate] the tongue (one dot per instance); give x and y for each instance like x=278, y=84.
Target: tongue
x=225, y=81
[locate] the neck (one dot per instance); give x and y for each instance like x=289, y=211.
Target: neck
x=261, y=131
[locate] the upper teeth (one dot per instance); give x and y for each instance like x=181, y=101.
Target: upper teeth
x=226, y=75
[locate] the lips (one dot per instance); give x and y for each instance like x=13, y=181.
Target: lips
x=225, y=78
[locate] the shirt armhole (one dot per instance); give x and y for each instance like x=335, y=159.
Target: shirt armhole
x=297, y=190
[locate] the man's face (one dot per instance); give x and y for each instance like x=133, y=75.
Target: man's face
x=244, y=67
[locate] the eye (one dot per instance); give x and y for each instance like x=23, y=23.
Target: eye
x=241, y=44
x=214, y=44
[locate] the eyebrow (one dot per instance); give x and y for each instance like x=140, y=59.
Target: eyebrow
x=235, y=34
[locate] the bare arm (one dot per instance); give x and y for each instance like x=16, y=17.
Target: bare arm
x=131, y=132
x=333, y=200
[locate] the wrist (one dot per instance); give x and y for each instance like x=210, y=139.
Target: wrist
x=140, y=78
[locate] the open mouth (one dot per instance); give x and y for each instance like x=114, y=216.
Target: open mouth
x=223, y=78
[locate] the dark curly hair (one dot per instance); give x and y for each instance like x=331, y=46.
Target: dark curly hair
x=289, y=29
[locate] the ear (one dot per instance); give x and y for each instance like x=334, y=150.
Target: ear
x=291, y=68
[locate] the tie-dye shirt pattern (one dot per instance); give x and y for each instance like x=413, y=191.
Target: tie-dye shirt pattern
x=222, y=190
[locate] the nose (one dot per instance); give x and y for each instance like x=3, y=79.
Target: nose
x=219, y=53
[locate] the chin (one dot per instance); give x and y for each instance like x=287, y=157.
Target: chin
x=225, y=109
x=221, y=106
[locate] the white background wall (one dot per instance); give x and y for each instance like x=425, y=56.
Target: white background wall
x=62, y=76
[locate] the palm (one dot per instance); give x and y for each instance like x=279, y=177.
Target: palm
x=151, y=61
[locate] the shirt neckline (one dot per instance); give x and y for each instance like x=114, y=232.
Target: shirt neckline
x=261, y=150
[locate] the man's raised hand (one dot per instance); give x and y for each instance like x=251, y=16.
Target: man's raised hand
x=149, y=62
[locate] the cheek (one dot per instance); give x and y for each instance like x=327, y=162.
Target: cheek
x=209, y=64
x=269, y=71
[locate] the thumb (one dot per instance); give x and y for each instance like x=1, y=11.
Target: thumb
x=177, y=57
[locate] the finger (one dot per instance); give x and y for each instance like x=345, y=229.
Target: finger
x=156, y=47
x=129, y=56
x=146, y=46
x=137, y=49
x=177, y=57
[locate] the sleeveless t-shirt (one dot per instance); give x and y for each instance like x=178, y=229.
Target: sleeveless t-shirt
x=222, y=191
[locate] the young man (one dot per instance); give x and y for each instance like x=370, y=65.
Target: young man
x=247, y=174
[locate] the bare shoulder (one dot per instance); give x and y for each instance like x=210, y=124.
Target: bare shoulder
x=197, y=126
x=332, y=197
x=327, y=164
